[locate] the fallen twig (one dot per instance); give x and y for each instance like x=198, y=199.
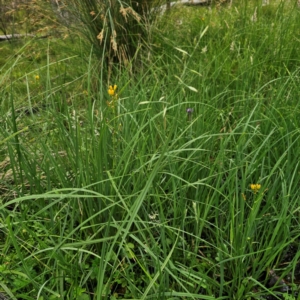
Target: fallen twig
x=7, y=37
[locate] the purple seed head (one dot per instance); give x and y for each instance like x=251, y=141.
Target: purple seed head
x=189, y=110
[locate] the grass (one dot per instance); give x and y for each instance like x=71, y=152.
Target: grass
x=130, y=196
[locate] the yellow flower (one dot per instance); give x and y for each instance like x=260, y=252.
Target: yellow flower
x=255, y=187
x=112, y=90
x=37, y=77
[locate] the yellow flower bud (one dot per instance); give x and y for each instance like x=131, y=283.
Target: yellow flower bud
x=112, y=90
x=255, y=187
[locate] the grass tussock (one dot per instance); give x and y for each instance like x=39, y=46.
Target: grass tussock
x=176, y=180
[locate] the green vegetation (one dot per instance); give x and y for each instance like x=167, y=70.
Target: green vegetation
x=180, y=183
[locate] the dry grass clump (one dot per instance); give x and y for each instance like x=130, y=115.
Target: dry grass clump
x=116, y=29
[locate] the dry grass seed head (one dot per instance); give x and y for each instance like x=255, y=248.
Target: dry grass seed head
x=100, y=36
x=129, y=11
x=113, y=41
x=123, y=13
